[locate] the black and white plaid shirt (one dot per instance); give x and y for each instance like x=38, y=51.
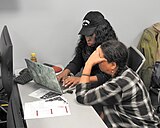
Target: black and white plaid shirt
x=125, y=101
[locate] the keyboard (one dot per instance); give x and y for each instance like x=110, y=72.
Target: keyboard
x=24, y=77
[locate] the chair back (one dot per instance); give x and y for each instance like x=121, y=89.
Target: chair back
x=135, y=59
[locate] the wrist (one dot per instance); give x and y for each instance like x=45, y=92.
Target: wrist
x=86, y=72
x=66, y=72
x=83, y=74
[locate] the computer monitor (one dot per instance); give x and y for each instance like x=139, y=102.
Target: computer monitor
x=6, y=61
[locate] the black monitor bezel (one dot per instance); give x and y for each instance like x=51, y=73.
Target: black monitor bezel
x=6, y=61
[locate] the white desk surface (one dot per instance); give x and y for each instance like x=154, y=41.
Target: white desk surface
x=81, y=115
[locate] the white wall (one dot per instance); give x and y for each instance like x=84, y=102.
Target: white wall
x=49, y=28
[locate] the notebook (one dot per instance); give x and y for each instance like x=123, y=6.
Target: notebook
x=45, y=76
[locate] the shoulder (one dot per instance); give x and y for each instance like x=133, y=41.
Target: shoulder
x=130, y=75
x=127, y=77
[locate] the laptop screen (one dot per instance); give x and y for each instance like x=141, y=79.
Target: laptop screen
x=44, y=76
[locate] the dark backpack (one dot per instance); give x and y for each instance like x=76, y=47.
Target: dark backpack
x=155, y=87
x=155, y=79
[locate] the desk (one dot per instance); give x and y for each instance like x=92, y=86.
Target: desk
x=81, y=115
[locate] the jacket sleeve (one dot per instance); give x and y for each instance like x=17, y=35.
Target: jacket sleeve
x=106, y=94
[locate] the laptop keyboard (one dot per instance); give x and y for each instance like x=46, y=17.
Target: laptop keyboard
x=24, y=77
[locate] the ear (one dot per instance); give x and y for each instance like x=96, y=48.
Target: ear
x=114, y=65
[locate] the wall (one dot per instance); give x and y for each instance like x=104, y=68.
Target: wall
x=50, y=28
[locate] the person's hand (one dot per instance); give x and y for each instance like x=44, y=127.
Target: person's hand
x=71, y=81
x=95, y=58
x=62, y=76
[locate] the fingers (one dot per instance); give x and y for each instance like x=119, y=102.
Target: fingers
x=61, y=78
x=65, y=78
x=58, y=78
x=70, y=81
x=66, y=81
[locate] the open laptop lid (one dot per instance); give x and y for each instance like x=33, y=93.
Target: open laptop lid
x=44, y=76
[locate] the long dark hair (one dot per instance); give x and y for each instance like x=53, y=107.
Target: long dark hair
x=103, y=33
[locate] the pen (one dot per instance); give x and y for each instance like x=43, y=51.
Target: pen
x=51, y=111
x=37, y=113
x=66, y=109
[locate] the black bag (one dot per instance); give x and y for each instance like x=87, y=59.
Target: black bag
x=155, y=79
x=155, y=87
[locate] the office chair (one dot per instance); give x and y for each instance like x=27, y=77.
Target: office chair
x=135, y=59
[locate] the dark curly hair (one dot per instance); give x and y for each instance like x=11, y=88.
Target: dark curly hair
x=103, y=33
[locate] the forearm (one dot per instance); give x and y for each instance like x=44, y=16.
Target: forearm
x=76, y=64
x=107, y=95
x=86, y=78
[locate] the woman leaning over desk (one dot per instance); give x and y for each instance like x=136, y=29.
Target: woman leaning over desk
x=95, y=30
x=126, y=102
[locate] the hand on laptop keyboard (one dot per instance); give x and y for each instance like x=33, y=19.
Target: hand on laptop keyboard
x=24, y=77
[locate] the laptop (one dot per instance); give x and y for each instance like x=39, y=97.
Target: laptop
x=45, y=76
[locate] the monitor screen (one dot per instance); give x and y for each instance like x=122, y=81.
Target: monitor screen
x=6, y=61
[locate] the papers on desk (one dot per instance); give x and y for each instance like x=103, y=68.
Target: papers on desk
x=56, y=106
